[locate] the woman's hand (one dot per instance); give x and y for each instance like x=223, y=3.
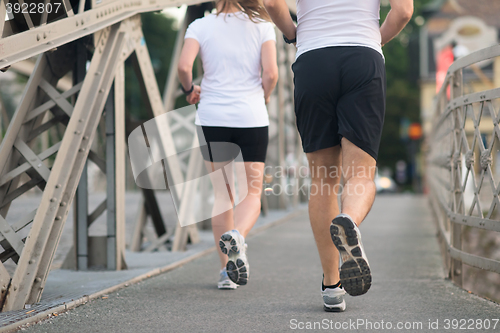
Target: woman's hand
x=194, y=96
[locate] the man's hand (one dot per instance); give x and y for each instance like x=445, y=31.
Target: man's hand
x=279, y=12
x=194, y=96
x=398, y=17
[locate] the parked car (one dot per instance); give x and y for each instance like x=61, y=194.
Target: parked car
x=385, y=184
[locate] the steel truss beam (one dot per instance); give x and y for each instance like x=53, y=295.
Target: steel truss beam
x=283, y=135
x=60, y=180
x=17, y=47
x=171, y=93
x=57, y=169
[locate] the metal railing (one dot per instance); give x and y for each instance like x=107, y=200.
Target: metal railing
x=464, y=163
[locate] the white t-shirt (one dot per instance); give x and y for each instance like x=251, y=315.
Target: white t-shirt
x=231, y=88
x=324, y=23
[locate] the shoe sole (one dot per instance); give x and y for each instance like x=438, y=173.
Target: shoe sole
x=336, y=308
x=226, y=287
x=232, y=248
x=237, y=271
x=236, y=268
x=355, y=274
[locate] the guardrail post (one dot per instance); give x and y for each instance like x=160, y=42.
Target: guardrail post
x=456, y=85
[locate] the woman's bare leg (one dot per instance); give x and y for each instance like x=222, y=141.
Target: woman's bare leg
x=222, y=212
x=248, y=210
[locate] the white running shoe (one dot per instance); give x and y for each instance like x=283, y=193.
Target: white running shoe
x=355, y=275
x=333, y=299
x=225, y=282
x=233, y=244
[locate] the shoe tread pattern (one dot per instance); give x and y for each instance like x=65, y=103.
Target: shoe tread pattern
x=222, y=244
x=355, y=274
x=237, y=272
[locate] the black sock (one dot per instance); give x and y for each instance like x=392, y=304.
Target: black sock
x=330, y=287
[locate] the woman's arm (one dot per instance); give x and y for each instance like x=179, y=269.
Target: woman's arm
x=269, y=68
x=279, y=12
x=398, y=17
x=185, y=69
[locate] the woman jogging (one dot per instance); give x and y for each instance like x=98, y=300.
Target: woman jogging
x=237, y=45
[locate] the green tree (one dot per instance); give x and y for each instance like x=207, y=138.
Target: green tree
x=403, y=93
x=159, y=36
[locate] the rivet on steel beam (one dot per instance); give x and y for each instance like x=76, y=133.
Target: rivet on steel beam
x=82, y=22
x=58, y=218
x=78, y=132
x=15, y=288
x=38, y=280
x=58, y=185
x=38, y=37
x=31, y=262
x=44, y=35
x=85, y=137
x=76, y=23
x=62, y=204
x=81, y=150
x=101, y=91
x=53, y=200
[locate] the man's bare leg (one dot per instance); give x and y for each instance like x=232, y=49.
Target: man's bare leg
x=323, y=207
x=357, y=198
x=359, y=190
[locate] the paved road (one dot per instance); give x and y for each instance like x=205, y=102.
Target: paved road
x=283, y=291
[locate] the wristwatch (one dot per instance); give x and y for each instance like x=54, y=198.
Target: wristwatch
x=187, y=92
x=289, y=41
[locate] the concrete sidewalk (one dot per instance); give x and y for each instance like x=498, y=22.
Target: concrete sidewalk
x=66, y=289
x=283, y=293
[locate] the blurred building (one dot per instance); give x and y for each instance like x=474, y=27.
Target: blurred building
x=461, y=26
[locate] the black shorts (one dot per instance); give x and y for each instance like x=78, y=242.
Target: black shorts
x=225, y=143
x=340, y=92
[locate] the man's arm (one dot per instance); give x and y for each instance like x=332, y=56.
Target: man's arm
x=279, y=12
x=398, y=17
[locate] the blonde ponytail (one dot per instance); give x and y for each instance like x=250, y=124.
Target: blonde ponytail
x=253, y=8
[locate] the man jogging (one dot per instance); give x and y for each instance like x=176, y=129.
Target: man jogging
x=339, y=75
